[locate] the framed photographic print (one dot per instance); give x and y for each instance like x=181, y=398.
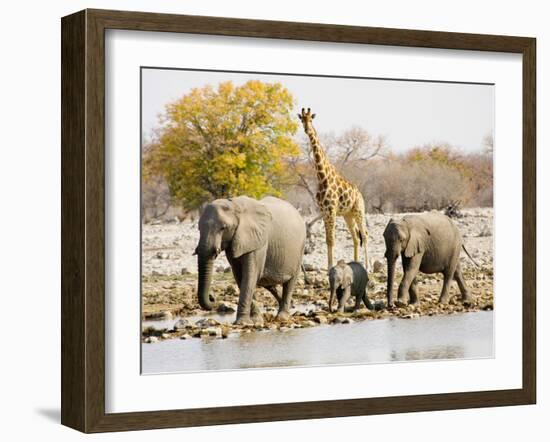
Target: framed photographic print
x=266, y=221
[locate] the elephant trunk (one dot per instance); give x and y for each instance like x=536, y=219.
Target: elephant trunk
x=331, y=299
x=391, y=276
x=205, y=279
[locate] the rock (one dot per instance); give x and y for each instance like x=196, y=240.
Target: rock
x=347, y=321
x=231, y=290
x=185, y=271
x=162, y=255
x=206, y=323
x=151, y=339
x=411, y=316
x=167, y=314
x=213, y=331
x=225, y=332
x=309, y=248
x=165, y=336
x=321, y=303
x=309, y=267
x=182, y=324
x=378, y=266
x=220, y=269
x=185, y=336
x=227, y=269
x=227, y=307
x=485, y=231
x=321, y=320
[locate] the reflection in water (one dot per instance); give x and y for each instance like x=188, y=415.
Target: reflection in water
x=468, y=335
x=437, y=352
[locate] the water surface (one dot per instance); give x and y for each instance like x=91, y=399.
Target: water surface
x=465, y=335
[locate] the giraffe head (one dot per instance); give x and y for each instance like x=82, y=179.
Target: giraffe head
x=307, y=119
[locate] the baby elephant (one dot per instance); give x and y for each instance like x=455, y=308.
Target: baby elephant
x=346, y=280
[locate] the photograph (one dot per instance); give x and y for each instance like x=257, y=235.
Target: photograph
x=292, y=220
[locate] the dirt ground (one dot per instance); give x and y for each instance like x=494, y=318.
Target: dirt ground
x=169, y=278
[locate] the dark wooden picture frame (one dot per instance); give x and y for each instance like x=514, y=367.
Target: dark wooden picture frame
x=83, y=220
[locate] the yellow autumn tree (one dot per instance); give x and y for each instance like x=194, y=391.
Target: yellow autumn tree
x=224, y=141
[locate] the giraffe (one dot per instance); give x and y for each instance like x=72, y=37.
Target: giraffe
x=336, y=196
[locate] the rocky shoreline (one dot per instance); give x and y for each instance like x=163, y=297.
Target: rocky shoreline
x=175, y=299
x=169, y=283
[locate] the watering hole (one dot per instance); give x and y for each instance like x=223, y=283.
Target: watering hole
x=458, y=336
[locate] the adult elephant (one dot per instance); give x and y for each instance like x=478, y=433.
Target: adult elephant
x=429, y=243
x=264, y=243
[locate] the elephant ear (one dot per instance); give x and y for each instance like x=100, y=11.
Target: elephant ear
x=417, y=242
x=348, y=277
x=251, y=233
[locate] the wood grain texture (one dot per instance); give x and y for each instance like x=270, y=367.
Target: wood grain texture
x=529, y=221
x=73, y=129
x=83, y=220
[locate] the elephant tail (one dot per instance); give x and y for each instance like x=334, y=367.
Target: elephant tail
x=470, y=256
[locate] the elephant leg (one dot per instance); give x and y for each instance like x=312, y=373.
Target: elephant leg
x=273, y=290
x=410, y=268
x=284, y=306
x=342, y=302
x=459, y=278
x=247, y=286
x=256, y=315
x=350, y=222
x=367, y=302
x=358, y=300
x=330, y=221
x=365, y=299
x=445, y=291
x=413, y=292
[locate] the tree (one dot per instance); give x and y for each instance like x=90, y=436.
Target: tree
x=356, y=146
x=224, y=141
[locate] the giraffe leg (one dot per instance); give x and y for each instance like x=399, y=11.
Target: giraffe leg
x=330, y=221
x=360, y=223
x=350, y=222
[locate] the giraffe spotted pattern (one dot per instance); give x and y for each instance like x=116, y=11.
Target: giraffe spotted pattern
x=336, y=195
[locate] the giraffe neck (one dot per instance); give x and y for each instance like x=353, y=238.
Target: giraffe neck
x=322, y=164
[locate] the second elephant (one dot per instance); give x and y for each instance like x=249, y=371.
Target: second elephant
x=429, y=243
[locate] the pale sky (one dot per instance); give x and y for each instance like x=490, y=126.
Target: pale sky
x=407, y=113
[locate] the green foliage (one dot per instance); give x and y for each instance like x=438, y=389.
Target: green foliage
x=225, y=141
